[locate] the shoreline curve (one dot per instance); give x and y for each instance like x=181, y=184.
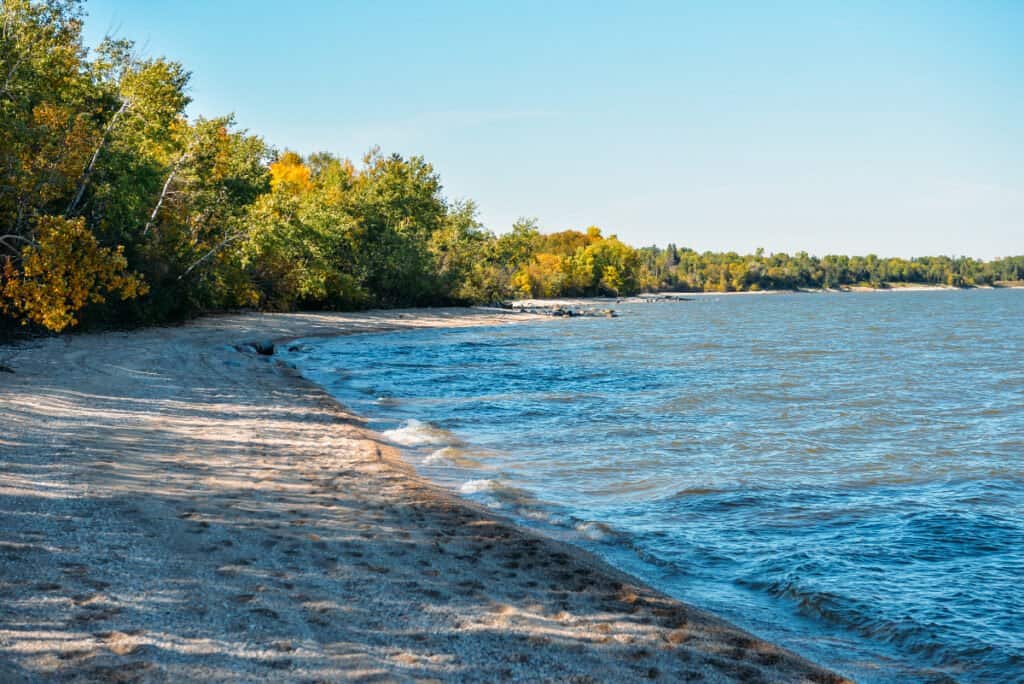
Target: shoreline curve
x=178, y=511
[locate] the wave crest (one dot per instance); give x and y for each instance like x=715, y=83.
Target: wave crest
x=477, y=487
x=417, y=433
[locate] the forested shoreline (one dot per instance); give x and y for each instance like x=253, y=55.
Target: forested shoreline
x=117, y=209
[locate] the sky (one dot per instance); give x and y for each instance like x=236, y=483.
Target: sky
x=829, y=127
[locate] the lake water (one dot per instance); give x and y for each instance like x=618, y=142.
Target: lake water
x=841, y=474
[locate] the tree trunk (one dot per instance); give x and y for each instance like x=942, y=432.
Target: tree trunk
x=223, y=243
x=92, y=162
x=163, y=194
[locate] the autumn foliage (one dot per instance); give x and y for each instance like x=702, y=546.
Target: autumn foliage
x=65, y=270
x=289, y=174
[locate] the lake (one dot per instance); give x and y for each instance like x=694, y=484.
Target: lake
x=838, y=473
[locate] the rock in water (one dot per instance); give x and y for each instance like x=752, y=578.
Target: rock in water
x=264, y=347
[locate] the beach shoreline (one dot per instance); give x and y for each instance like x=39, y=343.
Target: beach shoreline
x=663, y=297
x=177, y=510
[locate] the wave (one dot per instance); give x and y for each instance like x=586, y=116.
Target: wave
x=598, y=531
x=906, y=632
x=440, y=456
x=477, y=487
x=417, y=433
x=696, y=491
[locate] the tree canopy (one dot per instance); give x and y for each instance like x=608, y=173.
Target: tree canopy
x=116, y=207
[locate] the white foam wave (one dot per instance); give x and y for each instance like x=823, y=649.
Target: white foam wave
x=442, y=455
x=417, y=433
x=477, y=486
x=596, y=531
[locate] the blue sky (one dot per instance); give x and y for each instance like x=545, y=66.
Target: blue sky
x=894, y=128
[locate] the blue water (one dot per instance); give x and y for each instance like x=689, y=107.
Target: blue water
x=839, y=473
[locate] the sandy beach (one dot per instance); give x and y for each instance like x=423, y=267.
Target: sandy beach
x=176, y=510
x=528, y=303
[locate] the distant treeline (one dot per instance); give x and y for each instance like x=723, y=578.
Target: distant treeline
x=115, y=208
x=684, y=269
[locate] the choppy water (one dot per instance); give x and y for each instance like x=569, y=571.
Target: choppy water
x=838, y=473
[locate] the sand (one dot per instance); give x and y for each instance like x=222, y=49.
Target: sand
x=661, y=297
x=175, y=510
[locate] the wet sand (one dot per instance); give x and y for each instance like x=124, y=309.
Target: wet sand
x=176, y=510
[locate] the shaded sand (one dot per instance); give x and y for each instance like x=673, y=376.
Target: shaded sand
x=175, y=510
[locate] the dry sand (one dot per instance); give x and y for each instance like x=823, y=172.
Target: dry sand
x=175, y=510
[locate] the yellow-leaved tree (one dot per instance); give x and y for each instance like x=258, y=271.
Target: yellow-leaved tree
x=290, y=174
x=61, y=272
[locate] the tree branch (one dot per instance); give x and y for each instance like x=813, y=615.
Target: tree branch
x=10, y=76
x=221, y=245
x=92, y=162
x=167, y=186
x=5, y=240
x=163, y=194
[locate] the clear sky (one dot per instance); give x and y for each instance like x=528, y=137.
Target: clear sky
x=853, y=127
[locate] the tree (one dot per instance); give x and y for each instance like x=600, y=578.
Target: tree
x=62, y=272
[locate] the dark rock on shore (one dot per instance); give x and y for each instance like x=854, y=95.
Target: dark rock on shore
x=261, y=347
x=659, y=297
x=566, y=312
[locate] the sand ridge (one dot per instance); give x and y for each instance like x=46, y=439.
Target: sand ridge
x=175, y=510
